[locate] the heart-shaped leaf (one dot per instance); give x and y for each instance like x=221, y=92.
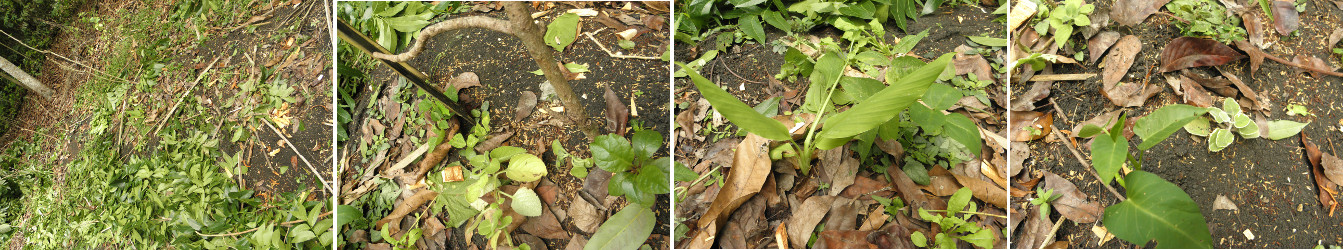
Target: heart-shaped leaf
x=1157, y=210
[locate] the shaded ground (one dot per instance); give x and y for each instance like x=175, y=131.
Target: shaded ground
x=1269, y=180
x=747, y=70
x=504, y=70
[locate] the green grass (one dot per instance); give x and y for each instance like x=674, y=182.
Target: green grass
x=175, y=193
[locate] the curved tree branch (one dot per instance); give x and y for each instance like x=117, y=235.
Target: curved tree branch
x=451, y=24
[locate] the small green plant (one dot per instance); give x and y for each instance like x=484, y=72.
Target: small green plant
x=1043, y=199
x=954, y=228
x=1231, y=118
x=1072, y=13
x=1293, y=109
x=637, y=176
x=407, y=240
x=1203, y=18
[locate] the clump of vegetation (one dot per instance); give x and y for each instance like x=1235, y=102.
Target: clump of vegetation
x=1204, y=18
x=1231, y=118
x=1063, y=18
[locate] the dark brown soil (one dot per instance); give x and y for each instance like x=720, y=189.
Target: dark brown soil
x=1269, y=181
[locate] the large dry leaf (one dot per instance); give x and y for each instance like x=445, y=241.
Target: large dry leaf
x=892, y=236
x=1130, y=94
x=617, y=114
x=1334, y=37
x=984, y=190
x=1026, y=102
x=1313, y=62
x=1103, y=121
x=838, y=169
x=1120, y=58
x=1031, y=125
x=545, y=226
x=1218, y=85
x=1333, y=167
x=1097, y=46
x=576, y=243
x=526, y=103
x=1256, y=102
x=843, y=239
x=1036, y=230
x=1322, y=184
x=585, y=216
x=1188, y=52
x=1020, y=151
x=805, y=218
x=1072, y=203
x=464, y=80
x=1131, y=12
x=973, y=64
x=844, y=214
x=1285, y=17
x=863, y=187
x=910, y=192
x=1254, y=27
x=494, y=142
x=1256, y=55
x=750, y=169
x=941, y=183
x=1194, y=94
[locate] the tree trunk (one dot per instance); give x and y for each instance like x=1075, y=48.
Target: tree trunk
x=25, y=79
x=532, y=37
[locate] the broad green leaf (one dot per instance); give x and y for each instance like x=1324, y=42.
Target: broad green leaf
x=646, y=142
x=745, y=3
x=737, y=112
x=777, y=20
x=1230, y=106
x=829, y=68
x=346, y=214
x=883, y=105
x=1241, y=120
x=1163, y=122
x=982, y=238
x=917, y=237
x=768, y=107
x=613, y=153
x=941, y=96
x=626, y=230
x=907, y=43
x=562, y=32
x=963, y=130
x=750, y=25
x=916, y=172
x=988, y=41
x=683, y=173
x=578, y=171
x=861, y=88
x=1283, y=128
x=504, y=153
x=1219, y=116
x=526, y=203
x=1219, y=139
x=1108, y=153
x=526, y=168
x=1157, y=210
x=958, y=201
x=1199, y=126
x=1250, y=131
x=1089, y=130
x=409, y=23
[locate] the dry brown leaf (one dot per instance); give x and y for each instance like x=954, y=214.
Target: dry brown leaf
x=545, y=226
x=1099, y=44
x=1036, y=230
x=1031, y=125
x=843, y=239
x=1334, y=37
x=843, y=214
x=1255, y=101
x=892, y=147
x=1256, y=55
x=781, y=236
x=1285, y=17
x=1189, y=52
x=750, y=168
x=1194, y=94
x=1026, y=102
x=1072, y=203
x=526, y=103
x=838, y=169
x=464, y=80
x=1254, y=27
x=1322, y=184
x=984, y=190
x=910, y=192
x=941, y=183
x=617, y=114
x=585, y=216
x=1131, y=12
x=406, y=206
x=1120, y=58
x=805, y=218
x=973, y=63
x=863, y=186
x=576, y=243
x=494, y=142
x=1333, y=168
x=1019, y=151
x=1313, y=62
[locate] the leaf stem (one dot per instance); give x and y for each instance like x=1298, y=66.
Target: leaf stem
x=974, y=213
x=811, y=130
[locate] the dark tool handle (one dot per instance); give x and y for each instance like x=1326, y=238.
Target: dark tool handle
x=361, y=41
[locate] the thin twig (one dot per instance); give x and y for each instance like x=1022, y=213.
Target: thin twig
x=184, y=95
x=1303, y=66
x=287, y=223
x=729, y=70
x=300, y=155
x=1051, y=234
x=104, y=74
x=608, y=51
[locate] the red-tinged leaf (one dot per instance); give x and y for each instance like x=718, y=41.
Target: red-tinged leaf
x=1031, y=125
x=1285, y=17
x=1131, y=12
x=1188, y=52
x=617, y=114
x=1256, y=55
x=1120, y=58
x=1325, y=187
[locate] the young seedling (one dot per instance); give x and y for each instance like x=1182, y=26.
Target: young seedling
x=1230, y=117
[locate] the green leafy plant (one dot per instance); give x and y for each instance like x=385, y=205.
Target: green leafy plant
x=627, y=229
x=562, y=31
x=391, y=24
x=1069, y=14
x=1231, y=118
x=1203, y=18
x=1043, y=199
x=407, y=240
x=1155, y=209
x=954, y=228
x=637, y=176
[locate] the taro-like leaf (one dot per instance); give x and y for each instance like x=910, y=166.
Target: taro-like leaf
x=1283, y=128
x=526, y=203
x=627, y=229
x=563, y=31
x=1219, y=139
x=1188, y=52
x=1163, y=122
x=1108, y=153
x=736, y=111
x=1157, y=210
x=882, y=106
x=1285, y=17
x=525, y=168
x=965, y=131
